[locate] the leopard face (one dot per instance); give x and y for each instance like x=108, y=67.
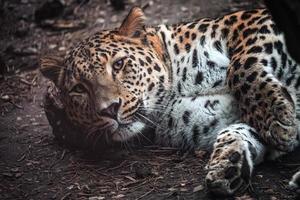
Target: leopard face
x=111, y=79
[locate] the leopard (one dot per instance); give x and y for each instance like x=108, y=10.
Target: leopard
x=224, y=85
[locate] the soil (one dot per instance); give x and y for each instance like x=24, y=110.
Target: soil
x=33, y=165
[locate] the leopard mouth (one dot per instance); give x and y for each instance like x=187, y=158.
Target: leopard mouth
x=121, y=130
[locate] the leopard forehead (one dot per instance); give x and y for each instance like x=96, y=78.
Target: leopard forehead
x=90, y=56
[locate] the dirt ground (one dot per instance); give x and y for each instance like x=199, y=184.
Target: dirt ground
x=33, y=165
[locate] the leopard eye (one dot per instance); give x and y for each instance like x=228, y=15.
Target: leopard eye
x=117, y=65
x=78, y=88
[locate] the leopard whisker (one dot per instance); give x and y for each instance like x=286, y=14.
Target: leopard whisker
x=147, y=119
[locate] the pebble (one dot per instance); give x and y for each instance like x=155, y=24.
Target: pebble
x=183, y=9
x=61, y=48
x=5, y=97
x=52, y=46
x=102, y=13
x=114, y=18
x=165, y=21
x=100, y=21
x=35, y=123
x=150, y=3
x=31, y=50
x=104, y=190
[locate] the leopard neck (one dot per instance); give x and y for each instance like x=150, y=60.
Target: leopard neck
x=198, y=57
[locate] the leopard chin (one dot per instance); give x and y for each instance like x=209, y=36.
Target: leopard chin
x=126, y=132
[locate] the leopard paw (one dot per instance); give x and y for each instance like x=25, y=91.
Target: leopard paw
x=229, y=171
x=282, y=132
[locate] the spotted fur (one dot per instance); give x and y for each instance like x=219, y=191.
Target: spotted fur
x=225, y=85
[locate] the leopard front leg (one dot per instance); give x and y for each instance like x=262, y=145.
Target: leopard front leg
x=263, y=99
x=234, y=155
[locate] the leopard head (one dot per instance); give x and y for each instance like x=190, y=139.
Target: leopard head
x=113, y=79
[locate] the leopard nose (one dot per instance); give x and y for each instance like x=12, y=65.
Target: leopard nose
x=111, y=111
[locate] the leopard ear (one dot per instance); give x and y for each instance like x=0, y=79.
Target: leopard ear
x=133, y=22
x=52, y=68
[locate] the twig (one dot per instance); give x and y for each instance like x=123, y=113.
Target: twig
x=22, y=157
x=33, y=81
x=64, y=197
x=144, y=194
x=59, y=160
x=117, y=167
x=290, y=164
x=16, y=105
x=26, y=82
x=63, y=155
